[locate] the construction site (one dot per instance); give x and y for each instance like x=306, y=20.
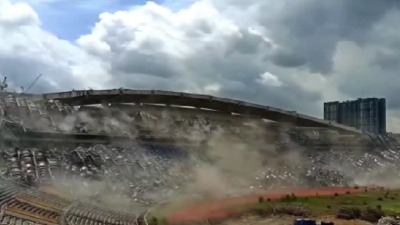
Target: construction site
x=89, y=157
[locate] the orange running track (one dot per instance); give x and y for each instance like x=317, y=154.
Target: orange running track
x=219, y=209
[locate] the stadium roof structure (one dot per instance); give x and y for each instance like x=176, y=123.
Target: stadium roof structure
x=198, y=101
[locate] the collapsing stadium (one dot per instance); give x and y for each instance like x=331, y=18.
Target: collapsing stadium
x=97, y=157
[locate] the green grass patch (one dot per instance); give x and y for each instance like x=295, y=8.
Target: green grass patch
x=387, y=201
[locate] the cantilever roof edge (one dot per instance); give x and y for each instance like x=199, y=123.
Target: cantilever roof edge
x=88, y=93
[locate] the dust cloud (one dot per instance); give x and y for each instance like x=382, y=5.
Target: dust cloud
x=224, y=162
x=98, y=192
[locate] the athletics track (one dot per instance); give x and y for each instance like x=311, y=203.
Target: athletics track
x=219, y=209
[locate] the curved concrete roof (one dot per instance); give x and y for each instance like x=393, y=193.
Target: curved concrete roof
x=90, y=97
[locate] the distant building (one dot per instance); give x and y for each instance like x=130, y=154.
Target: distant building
x=368, y=115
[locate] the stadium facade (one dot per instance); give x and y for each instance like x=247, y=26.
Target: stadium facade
x=368, y=114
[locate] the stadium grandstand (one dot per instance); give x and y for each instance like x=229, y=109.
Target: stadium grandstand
x=143, y=147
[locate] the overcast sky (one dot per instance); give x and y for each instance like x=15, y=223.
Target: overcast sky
x=292, y=54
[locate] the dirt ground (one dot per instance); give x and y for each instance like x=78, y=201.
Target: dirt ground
x=219, y=209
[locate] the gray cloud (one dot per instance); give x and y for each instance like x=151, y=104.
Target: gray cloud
x=315, y=50
x=312, y=28
x=286, y=58
x=290, y=96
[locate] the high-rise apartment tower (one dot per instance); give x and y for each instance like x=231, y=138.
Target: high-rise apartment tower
x=368, y=114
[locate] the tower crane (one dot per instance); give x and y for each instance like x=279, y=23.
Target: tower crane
x=33, y=82
x=3, y=85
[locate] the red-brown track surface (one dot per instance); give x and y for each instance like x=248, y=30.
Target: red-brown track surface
x=219, y=209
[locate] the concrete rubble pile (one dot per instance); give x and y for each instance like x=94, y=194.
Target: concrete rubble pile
x=388, y=221
x=147, y=173
x=327, y=166
x=145, y=176
x=150, y=173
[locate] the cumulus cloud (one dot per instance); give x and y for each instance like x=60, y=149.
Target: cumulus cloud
x=289, y=54
x=269, y=79
x=17, y=15
x=27, y=50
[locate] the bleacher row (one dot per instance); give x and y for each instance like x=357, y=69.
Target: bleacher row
x=22, y=206
x=138, y=174
x=11, y=103
x=28, y=113
x=93, y=215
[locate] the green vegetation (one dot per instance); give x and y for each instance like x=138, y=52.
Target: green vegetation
x=366, y=205
x=155, y=221
x=385, y=201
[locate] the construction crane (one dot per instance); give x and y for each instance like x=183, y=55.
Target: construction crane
x=33, y=83
x=3, y=85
